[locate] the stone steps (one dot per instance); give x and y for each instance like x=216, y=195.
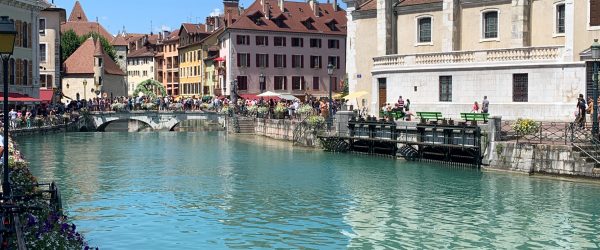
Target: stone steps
x=246, y=126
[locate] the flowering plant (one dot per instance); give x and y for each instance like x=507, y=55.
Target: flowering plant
x=280, y=108
x=305, y=109
x=315, y=121
x=117, y=107
x=225, y=110
x=526, y=127
x=262, y=110
x=149, y=106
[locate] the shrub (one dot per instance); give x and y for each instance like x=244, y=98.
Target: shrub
x=305, y=109
x=262, y=110
x=280, y=108
x=315, y=121
x=149, y=106
x=526, y=127
x=117, y=107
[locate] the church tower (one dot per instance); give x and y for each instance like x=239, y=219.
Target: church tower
x=98, y=65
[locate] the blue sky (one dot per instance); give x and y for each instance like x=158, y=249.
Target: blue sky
x=137, y=15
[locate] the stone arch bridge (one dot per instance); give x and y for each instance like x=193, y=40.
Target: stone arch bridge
x=158, y=121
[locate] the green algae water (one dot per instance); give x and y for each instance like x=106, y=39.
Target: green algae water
x=213, y=191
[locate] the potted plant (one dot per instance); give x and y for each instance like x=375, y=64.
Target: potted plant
x=525, y=127
x=280, y=111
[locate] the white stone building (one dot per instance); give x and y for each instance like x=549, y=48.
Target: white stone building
x=528, y=57
x=50, y=53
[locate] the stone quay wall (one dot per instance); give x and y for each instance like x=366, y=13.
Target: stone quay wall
x=281, y=129
x=533, y=158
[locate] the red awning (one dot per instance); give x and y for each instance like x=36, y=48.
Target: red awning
x=249, y=96
x=16, y=97
x=46, y=95
x=219, y=59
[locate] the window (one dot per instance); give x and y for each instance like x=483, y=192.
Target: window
x=145, y=73
x=315, y=43
x=297, y=82
x=308, y=24
x=243, y=60
x=280, y=82
x=297, y=42
x=424, y=30
x=99, y=62
x=43, y=52
x=490, y=24
x=262, y=41
x=25, y=35
x=594, y=10
x=242, y=83
x=280, y=41
x=297, y=61
x=42, y=26
x=280, y=61
x=333, y=44
x=24, y=72
x=243, y=40
x=335, y=61
x=11, y=71
x=315, y=62
x=445, y=88
x=262, y=60
x=335, y=84
x=315, y=84
x=43, y=80
x=520, y=88
x=560, y=18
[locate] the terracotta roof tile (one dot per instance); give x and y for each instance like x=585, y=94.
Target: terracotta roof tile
x=296, y=13
x=368, y=5
x=98, y=51
x=77, y=13
x=82, y=61
x=84, y=28
x=417, y=2
x=142, y=52
x=119, y=40
x=194, y=28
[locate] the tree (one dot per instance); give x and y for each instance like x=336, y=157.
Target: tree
x=150, y=88
x=69, y=42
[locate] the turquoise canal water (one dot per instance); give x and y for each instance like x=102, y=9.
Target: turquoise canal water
x=211, y=191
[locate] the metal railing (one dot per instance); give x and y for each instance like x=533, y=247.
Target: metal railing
x=556, y=133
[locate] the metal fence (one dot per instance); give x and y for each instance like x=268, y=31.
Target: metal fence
x=556, y=133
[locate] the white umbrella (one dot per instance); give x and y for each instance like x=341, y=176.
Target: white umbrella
x=269, y=94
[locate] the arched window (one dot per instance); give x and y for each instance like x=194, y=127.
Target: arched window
x=424, y=29
x=490, y=24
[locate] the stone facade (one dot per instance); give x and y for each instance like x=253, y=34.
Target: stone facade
x=534, y=59
x=50, y=63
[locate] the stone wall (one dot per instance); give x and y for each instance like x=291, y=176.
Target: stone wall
x=284, y=130
x=539, y=158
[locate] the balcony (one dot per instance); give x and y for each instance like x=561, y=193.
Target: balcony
x=470, y=58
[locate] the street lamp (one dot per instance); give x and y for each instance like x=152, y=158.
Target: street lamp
x=330, y=73
x=7, y=45
x=595, y=48
x=233, y=94
x=261, y=80
x=84, y=89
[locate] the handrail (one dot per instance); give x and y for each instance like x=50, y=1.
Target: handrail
x=300, y=130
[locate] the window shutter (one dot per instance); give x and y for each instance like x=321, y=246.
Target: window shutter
x=18, y=38
x=267, y=61
x=285, y=61
x=30, y=72
x=594, y=12
x=239, y=63
x=302, y=61
x=285, y=83
x=248, y=60
x=257, y=60
x=29, y=36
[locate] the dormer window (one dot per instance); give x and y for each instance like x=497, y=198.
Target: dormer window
x=256, y=17
x=308, y=23
x=331, y=23
x=279, y=20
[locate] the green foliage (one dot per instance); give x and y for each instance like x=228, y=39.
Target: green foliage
x=315, y=121
x=117, y=107
x=148, y=87
x=346, y=87
x=263, y=110
x=280, y=108
x=305, y=109
x=526, y=127
x=70, y=41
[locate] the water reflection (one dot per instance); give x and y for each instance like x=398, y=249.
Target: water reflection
x=210, y=190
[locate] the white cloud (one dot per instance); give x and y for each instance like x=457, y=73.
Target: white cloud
x=215, y=12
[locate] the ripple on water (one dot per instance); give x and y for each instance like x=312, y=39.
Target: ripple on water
x=209, y=191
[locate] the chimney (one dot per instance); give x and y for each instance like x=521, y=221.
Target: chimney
x=314, y=5
x=335, y=6
x=268, y=11
x=281, y=6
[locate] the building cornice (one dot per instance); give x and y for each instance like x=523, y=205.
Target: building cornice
x=34, y=5
x=479, y=3
x=364, y=14
x=419, y=8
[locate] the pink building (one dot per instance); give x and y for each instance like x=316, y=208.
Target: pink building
x=290, y=44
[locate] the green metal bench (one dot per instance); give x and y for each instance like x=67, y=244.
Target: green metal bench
x=397, y=115
x=478, y=117
x=430, y=116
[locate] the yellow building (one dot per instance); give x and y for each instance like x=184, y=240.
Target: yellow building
x=210, y=55
x=190, y=58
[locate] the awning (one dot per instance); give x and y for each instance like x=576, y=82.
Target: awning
x=356, y=95
x=249, y=96
x=19, y=98
x=288, y=97
x=46, y=95
x=219, y=59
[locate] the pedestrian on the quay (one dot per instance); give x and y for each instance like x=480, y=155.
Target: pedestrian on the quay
x=581, y=107
x=475, y=108
x=485, y=105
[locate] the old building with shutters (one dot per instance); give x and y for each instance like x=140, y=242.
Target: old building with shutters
x=289, y=43
x=531, y=58
x=23, y=67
